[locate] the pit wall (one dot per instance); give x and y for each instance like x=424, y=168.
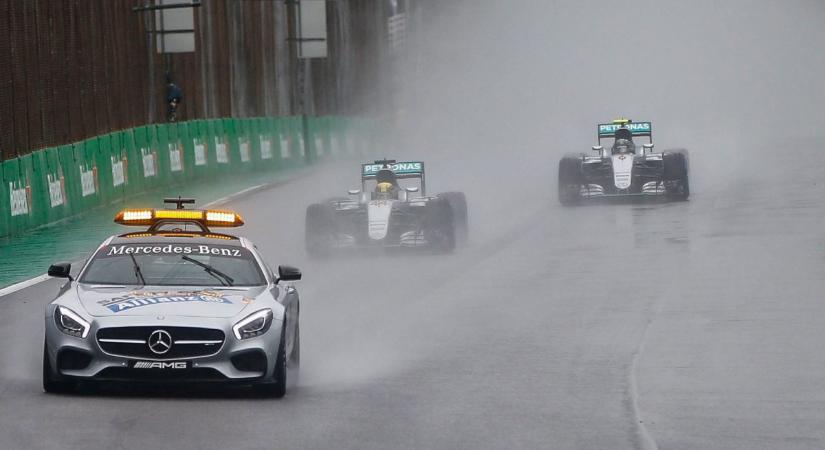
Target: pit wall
x=55, y=183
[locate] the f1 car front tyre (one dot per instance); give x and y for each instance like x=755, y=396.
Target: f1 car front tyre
x=52, y=382
x=676, y=175
x=570, y=180
x=439, y=226
x=458, y=205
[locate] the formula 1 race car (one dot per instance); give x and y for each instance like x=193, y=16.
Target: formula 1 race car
x=391, y=209
x=622, y=171
x=174, y=303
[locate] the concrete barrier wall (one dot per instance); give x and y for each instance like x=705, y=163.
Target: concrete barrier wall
x=55, y=183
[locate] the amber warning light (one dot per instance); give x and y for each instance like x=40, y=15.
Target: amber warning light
x=148, y=217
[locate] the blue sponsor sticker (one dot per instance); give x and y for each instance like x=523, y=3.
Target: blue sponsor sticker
x=136, y=300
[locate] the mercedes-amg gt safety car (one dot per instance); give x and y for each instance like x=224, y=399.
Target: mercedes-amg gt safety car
x=623, y=170
x=175, y=302
x=391, y=209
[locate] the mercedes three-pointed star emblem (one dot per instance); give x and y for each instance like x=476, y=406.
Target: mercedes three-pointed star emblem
x=160, y=342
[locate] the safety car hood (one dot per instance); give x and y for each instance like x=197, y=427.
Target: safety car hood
x=102, y=301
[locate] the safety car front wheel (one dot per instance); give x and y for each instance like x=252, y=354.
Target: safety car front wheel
x=53, y=383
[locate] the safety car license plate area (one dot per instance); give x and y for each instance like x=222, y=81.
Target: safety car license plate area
x=160, y=365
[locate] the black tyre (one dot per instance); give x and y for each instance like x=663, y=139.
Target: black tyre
x=438, y=225
x=676, y=174
x=570, y=180
x=458, y=205
x=293, y=363
x=52, y=382
x=318, y=229
x=277, y=387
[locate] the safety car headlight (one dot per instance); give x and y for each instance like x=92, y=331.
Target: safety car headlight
x=69, y=322
x=253, y=325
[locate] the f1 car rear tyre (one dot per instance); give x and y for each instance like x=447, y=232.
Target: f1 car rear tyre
x=458, y=205
x=318, y=231
x=438, y=226
x=676, y=174
x=570, y=180
x=277, y=387
x=53, y=383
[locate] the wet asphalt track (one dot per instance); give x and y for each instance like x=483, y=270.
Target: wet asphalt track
x=697, y=325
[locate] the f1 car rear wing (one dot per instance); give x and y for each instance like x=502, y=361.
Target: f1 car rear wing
x=404, y=169
x=408, y=169
x=609, y=130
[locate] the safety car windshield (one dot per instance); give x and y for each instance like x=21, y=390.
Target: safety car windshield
x=177, y=264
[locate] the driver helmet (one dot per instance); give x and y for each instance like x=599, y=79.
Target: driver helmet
x=386, y=176
x=623, y=146
x=384, y=191
x=383, y=188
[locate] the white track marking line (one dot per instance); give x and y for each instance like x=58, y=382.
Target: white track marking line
x=23, y=285
x=229, y=198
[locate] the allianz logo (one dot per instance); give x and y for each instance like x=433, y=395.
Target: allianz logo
x=118, y=171
x=149, y=164
x=87, y=181
x=266, y=148
x=175, y=157
x=19, y=198
x=55, y=183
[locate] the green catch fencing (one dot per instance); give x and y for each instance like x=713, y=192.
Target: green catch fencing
x=56, y=183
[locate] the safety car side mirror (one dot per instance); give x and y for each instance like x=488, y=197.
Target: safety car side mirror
x=411, y=189
x=598, y=148
x=288, y=273
x=648, y=147
x=354, y=191
x=61, y=270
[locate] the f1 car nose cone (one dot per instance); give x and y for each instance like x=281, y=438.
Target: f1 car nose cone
x=160, y=342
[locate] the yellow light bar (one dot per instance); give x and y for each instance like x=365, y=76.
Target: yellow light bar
x=220, y=236
x=223, y=219
x=152, y=216
x=621, y=121
x=186, y=214
x=138, y=235
x=134, y=217
x=141, y=214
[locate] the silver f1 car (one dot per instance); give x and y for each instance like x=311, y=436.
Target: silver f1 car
x=623, y=170
x=174, y=303
x=391, y=209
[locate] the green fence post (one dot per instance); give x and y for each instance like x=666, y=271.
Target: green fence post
x=161, y=145
x=187, y=150
x=117, y=164
x=103, y=164
x=5, y=203
x=40, y=204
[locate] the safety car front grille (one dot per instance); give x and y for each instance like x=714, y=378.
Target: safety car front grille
x=187, y=342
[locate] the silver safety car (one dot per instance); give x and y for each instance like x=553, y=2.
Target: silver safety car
x=174, y=302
